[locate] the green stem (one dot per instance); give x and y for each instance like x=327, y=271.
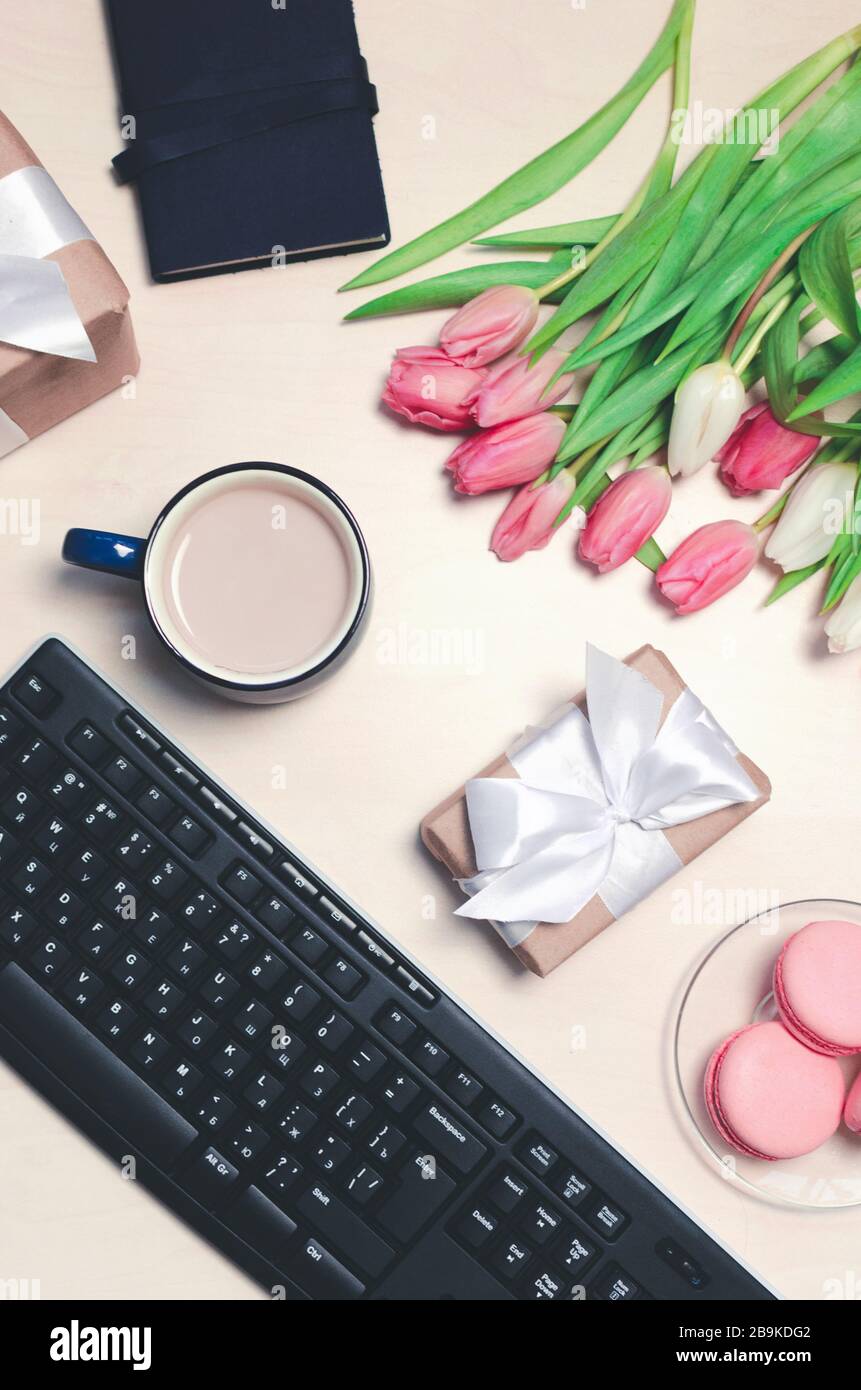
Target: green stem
x=660, y=175
x=752, y=348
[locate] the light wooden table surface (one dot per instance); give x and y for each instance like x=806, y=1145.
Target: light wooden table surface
x=258, y=366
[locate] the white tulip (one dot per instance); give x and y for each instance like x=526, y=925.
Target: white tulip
x=818, y=510
x=843, y=628
x=707, y=411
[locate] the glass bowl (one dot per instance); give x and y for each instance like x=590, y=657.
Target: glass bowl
x=730, y=988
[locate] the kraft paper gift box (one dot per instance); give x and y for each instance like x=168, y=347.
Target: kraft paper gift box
x=39, y=388
x=446, y=832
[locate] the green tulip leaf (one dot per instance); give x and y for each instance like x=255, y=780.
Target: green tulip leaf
x=826, y=270
x=458, y=286
x=543, y=175
x=844, y=574
x=587, y=233
x=843, y=381
x=792, y=580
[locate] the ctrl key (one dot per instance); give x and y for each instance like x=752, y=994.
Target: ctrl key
x=318, y=1274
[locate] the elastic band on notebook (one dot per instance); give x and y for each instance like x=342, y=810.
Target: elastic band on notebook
x=303, y=103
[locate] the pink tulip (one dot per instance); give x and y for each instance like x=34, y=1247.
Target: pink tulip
x=495, y=322
x=528, y=522
x=625, y=516
x=507, y=454
x=429, y=389
x=515, y=388
x=707, y=564
x=762, y=453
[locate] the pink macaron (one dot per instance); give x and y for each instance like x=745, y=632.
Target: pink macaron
x=769, y=1096
x=817, y=986
x=852, y=1111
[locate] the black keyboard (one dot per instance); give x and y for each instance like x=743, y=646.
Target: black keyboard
x=176, y=981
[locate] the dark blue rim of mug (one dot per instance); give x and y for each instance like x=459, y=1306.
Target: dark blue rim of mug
x=361, y=610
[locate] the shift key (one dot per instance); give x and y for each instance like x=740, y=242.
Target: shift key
x=329, y=1218
x=448, y=1139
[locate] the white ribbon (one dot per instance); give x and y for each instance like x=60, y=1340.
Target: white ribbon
x=586, y=812
x=36, y=309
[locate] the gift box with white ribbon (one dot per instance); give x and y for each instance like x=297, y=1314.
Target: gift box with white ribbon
x=66, y=336
x=589, y=812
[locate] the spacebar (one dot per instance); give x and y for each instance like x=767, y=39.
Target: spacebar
x=119, y=1097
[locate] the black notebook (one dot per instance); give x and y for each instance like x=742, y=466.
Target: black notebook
x=249, y=132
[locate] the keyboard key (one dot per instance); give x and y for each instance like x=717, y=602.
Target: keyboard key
x=430, y=1057
x=319, y=1275
x=309, y=946
x=395, y=1025
x=53, y=839
x=9, y=847
x=344, y=978
x=16, y=927
x=400, y=1092
x=576, y=1253
x=124, y=776
x=297, y=1123
x=149, y=1049
x=366, y=1062
x=319, y=1081
x=275, y=914
x=545, y=1285
x=420, y=1193
x=30, y=878
x=218, y=988
x=96, y=939
x=156, y=804
x=141, y=736
x=476, y=1227
x=263, y=1091
x=167, y=880
x=182, y=1080
x=286, y=1048
x=497, y=1119
x=298, y=881
x=177, y=772
x=131, y=969
x=364, y=1185
x=420, y=992
x=331, y=1153
x=242, y=883
x=68, y=790
x=134, y=851
x=116, y=1018
x=385, y=1143
x=604, y=1216
x=102, y=822
x=11, y=730
x=512, y=1259
x=249, y=1142
x=541, y=1224
x=120, y=899
x=334, y=915
x=230, y=1061
x=253, y=841
x=62, y=908
x=164, y=999
x=267, y=971
x=197, y=1030
x=259, y=1222
x=49, y=958
x=200, y=909
x=186, y=958
x=153, y=928
x=35, y=760
x=147, y=1122
x=352, y=1112
x=85, y=868
x=374, y=949
x=613, y=1285
x=36, y=695
x=252, y=1020
x=21, y=808
x=282, y=1173
x=214, y=1111
x=89, y=744
x=234, y=940
x=333, y=1032
x=539, y=1157
x=210, y=1180
x=82, y=988
x=448, y=1139
x=464, y=1088
x=190, y=837
x=217, y=808
x=571, y=1186
x=300, y=1002
x=347, y=1232
x=507, y=1191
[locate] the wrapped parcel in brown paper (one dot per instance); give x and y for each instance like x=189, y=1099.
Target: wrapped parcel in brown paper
x=446, y=832
x=38, y=389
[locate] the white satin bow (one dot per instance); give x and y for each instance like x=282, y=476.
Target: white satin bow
x=585, y=814
x=36, y=309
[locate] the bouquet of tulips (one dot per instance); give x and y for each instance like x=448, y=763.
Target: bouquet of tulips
x=665, y=315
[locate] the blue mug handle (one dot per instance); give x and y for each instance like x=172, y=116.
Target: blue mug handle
x=106, y=551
